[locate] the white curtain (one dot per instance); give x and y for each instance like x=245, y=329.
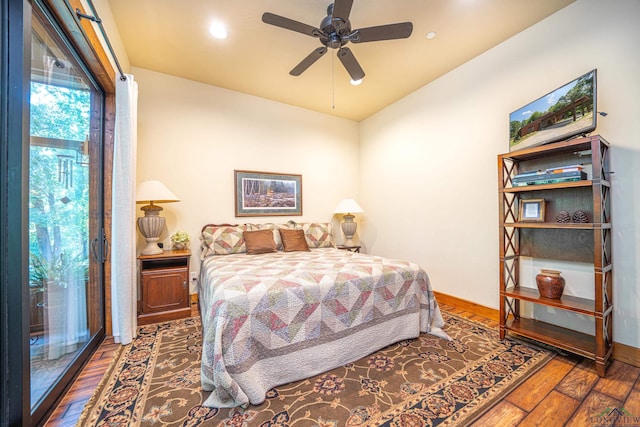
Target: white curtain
x=124, y=293
x=66, y=320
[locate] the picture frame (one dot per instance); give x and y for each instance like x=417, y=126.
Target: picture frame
x=267, y=193
x=532, y=210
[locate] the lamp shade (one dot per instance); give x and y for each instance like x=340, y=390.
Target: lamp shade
x=348, y=206
x=154, y=192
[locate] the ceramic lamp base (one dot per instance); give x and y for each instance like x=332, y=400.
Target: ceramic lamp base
x=349, y=229
x=151, y=226
x=152, y=247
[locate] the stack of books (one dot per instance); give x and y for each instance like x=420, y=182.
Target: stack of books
x=550, y=176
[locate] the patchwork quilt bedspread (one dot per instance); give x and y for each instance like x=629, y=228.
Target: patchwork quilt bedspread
x=273, y=318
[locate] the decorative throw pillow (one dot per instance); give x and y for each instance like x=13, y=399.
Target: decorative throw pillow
x=269, y=226
x=318, y=234
x=293, y=240
x=259, y=242
x=222, y=240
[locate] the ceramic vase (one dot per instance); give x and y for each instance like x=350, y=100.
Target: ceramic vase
x=550, y=283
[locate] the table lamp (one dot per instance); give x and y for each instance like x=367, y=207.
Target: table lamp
x=348, y=207
x=152, y=224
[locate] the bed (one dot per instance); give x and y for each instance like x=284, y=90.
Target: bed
x=280, y=316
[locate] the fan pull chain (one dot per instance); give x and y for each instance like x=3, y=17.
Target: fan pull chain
x=333, y=83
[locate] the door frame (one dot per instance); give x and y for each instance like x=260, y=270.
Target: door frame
x=15, y=27
x=15, y=68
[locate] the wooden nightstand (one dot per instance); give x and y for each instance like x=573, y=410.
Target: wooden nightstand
x=164, y=287
x=355, y=248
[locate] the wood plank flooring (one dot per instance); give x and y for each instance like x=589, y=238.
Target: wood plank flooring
x=565, y=392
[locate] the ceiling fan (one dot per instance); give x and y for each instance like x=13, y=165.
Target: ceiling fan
x=335, y=32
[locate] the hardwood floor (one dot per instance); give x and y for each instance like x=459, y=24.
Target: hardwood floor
x=565, y=392
x=70, y=408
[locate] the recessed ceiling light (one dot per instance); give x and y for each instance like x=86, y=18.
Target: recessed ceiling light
x=218, y=30
x=356, y=82
x=431, y=35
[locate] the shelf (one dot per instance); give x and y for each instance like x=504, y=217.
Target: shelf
x=588, y=243
x=167, y=254
x=566, y=339
x=567, y=302
x=577, y=144
x=556, y=186
x=558, y=225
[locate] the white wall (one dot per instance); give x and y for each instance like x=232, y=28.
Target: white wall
x=429, y=168
x=426, y=169
x=192, y=136
x=106, y=17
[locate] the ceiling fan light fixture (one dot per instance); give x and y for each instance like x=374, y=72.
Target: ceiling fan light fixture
x=431, y=35
x=335, y=32
x=218, y=30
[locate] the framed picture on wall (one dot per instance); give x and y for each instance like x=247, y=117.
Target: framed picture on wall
x=267, y=193
x=531, y=210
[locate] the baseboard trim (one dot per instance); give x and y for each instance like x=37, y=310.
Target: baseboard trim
x=469, y=306
x=621, y=352
x=627, y=354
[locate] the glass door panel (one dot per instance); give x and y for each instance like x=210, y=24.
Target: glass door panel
x=65, y=212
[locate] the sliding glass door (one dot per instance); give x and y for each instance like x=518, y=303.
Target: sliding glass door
x=56, y=124
x=66, y=247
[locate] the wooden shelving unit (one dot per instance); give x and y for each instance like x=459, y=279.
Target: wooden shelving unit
x=573, y=242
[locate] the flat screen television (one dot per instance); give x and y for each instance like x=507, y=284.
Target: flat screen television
x=568, y=111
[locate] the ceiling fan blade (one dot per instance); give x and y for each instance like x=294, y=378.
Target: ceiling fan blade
x=290, y=24
x=342, y=9
x=308, y=61
x=350, y=63
x=382, y=32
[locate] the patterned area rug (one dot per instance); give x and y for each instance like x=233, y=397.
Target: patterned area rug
x=426, y=381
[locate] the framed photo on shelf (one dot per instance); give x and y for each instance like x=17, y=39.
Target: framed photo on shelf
x=267, y=193
x=531, y=210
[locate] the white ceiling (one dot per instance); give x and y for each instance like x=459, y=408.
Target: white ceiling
x=171, y=36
